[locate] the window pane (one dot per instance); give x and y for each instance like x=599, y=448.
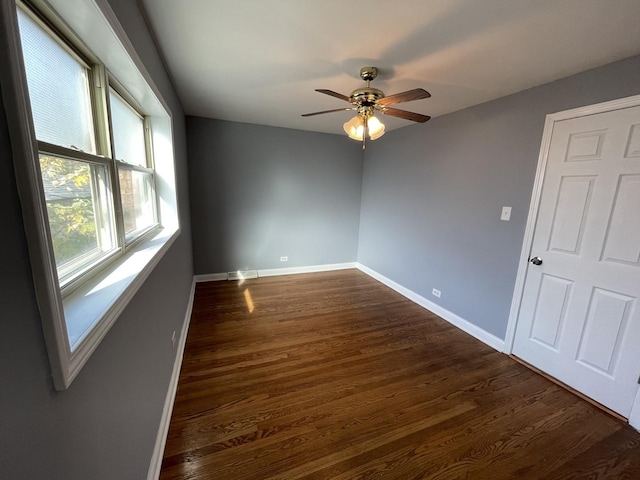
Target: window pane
x=136, y=191
x=80, y=216
x=58, y=89
x=128, y=132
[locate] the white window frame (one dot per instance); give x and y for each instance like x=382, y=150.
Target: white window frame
x=75, y=324
x=129, y=239
x=88, y=263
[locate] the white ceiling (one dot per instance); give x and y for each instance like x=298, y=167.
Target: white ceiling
x=259, y=61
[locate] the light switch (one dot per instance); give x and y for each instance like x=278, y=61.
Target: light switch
x=506, y=214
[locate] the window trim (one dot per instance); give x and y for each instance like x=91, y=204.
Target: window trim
x=119, y=283
x=116, y=89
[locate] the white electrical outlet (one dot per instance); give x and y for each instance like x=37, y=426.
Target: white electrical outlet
x=284, y=259
x=436, y=292
x=506, y=214
x=173, y=339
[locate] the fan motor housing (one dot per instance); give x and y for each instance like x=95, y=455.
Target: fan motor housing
x=366, y=96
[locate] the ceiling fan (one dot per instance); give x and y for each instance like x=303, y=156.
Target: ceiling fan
x=366, y=101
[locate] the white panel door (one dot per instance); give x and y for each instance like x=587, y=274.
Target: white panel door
x=579, y=317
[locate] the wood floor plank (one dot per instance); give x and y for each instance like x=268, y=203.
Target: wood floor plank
x=333, y=375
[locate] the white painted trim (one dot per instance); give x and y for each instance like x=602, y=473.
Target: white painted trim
x=550, y=121
x=272, y=272
x=634, y=416
x=29, y=183
x=211, y=277
x=242, y=275
x=464, y=325
x=165, y=420
x=107, y=310
x=528, y=236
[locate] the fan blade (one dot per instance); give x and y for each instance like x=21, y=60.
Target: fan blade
x=334, y=94
x=415, y=94
x=414, y=117
x=327, y=111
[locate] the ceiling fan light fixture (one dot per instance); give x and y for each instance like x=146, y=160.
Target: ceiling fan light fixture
x=354, y=128
x=376, y=128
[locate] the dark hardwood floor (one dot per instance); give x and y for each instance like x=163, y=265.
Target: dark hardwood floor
x=333, y=375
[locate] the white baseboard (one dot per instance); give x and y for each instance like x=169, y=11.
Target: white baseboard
x=272, y=272
x=163, y=430
x=461, y=323
x=211, y=277
x=242, y=275
x=310, y=269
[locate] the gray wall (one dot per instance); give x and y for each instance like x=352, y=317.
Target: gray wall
x=432, y=194
x=259, y=193
x=104, y=426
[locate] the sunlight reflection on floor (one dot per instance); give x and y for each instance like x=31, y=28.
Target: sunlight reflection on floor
x=249, y=300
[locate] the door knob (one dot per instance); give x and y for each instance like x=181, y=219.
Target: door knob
x=536, y=261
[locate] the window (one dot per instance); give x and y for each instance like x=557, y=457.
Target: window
x=88, y=222
x=93, y=155
x=134, y=167
x=81, y=220
x=58, y=88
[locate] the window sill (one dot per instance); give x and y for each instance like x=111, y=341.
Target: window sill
x=93, y=308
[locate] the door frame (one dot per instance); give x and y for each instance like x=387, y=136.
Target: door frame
x=534, y=205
